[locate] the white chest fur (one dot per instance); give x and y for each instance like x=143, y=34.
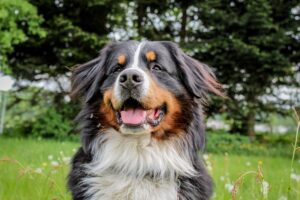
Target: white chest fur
x=116, y=187
x=121, y=164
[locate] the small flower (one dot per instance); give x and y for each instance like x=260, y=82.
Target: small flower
x=67, y=98
x=38, y=170
x=66, y=160
x=229, y=187
x=74, y=150
x=44, y=164
x=209, y=168
x=248, y=163
x=265, y=186
x=295, y=177
x=283, y=198
x=205, y=156
x=54, y=163
x=214, y=195
x=50, y=157
x=222, y=178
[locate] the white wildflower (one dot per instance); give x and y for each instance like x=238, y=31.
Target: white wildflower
x=208, y=163
x=295, y=177
x=54, y=163
x=222, y=178
x=205, y=156
x=74, y=150
x=209, y=167
x=229, y=187
x=214, y=195
x=248, y=163
x=283, y=198
x=265, y=189
x=50, y=157
x=38, y=170
x=67, y=98
x=66, y=160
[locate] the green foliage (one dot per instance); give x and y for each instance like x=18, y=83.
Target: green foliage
x=51, y=125
x=265, y=145
x=18, y=21
x=42, y=120
x=73, y=38
x=34, y=169
x=48, y=123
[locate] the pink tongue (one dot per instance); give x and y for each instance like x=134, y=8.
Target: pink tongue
x=133, y=116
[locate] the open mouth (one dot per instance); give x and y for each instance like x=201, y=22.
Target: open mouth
x=133, y=113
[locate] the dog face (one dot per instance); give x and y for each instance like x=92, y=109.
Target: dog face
x=144, y=87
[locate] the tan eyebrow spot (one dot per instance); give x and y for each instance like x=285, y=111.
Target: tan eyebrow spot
x=150, y=56
x=121, y=59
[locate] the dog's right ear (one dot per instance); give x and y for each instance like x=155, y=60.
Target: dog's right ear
x=197, y=77
x=86, y=78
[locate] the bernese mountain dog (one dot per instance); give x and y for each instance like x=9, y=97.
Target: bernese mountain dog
x=141, y=124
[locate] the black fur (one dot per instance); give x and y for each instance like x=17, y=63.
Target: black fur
x=185, y=77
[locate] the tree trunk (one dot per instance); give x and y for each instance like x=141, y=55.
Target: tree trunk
x=140, y=16
x=250, y=125
x=183, y=22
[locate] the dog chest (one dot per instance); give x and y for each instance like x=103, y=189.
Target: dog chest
x=116, y=187
x=135, y=168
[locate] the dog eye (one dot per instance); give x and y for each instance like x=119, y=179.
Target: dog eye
x=117, y=69
x=156, y=67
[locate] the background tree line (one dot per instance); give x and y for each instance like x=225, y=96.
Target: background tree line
x=253, y=46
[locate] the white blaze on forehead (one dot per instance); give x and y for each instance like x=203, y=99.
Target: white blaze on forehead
x=134, y=64
x=137, y=55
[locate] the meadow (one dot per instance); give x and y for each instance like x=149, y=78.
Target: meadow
x=37, y=169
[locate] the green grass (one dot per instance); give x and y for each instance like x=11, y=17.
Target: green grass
x=23, y=160
x=20, y=161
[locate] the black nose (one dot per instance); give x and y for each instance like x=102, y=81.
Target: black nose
x=131, y=78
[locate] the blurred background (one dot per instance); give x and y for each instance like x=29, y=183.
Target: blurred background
x=253, y=47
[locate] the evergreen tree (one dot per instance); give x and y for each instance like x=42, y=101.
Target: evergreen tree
x=254, y=46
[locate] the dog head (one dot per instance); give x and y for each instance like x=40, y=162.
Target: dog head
x=144, y=88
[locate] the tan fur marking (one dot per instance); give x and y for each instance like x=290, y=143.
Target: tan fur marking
x=156, y=97
x=150, y=56
x=121, y=59
x=107, y=111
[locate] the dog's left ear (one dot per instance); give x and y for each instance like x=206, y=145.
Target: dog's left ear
x=86, y=78
x=197, y=77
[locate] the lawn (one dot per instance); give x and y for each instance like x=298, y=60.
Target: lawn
x=32, y=169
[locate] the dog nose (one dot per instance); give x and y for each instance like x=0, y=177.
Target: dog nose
x=131, y=78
